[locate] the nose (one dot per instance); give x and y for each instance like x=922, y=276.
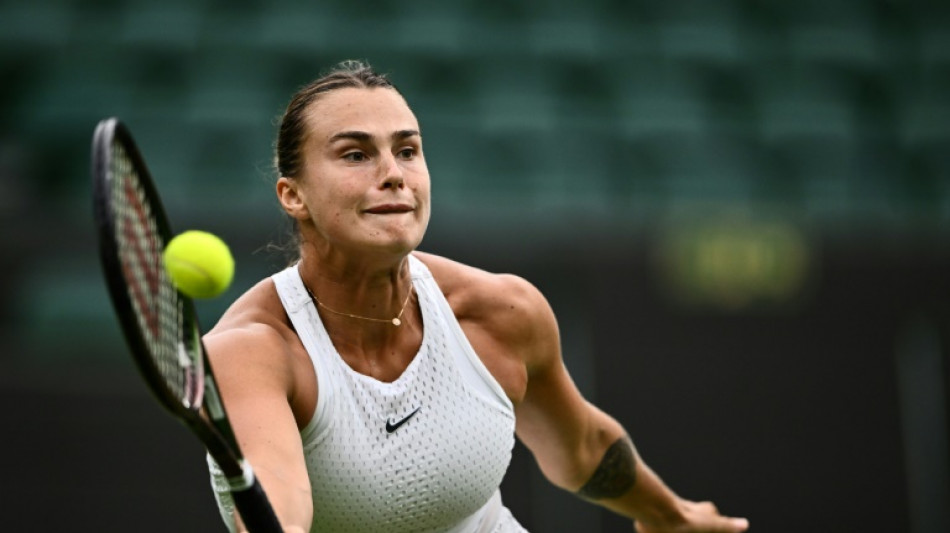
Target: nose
x=392, y=172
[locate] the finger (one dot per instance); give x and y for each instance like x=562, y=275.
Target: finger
x=735, y=525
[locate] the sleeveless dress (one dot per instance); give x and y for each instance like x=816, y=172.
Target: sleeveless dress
x=424, y=453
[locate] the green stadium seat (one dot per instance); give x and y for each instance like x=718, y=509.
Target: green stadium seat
x=165, y=25
x=26, y=24
x=69, y=301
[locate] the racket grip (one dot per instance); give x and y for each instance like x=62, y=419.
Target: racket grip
x=255, y=509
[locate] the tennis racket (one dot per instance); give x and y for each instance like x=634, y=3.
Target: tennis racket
x=159, y=323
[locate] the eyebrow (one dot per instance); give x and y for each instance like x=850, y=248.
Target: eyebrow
x=363, y=136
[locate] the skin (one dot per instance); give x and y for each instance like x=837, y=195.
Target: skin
x=362, y=205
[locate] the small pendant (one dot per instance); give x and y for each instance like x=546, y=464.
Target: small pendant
x=397, y=322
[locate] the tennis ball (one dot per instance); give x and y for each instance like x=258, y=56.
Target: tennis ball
x=199, y=264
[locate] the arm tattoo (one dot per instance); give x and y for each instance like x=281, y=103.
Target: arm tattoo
x=615, y=474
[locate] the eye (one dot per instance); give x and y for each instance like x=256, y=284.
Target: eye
x=354, y=157
x=407, y=153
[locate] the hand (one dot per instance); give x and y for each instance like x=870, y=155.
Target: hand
x=702, y=517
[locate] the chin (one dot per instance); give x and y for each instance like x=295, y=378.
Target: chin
x=395, y=246
x=396, y=239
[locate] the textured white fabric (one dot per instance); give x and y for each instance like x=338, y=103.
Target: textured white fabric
x=439, y=470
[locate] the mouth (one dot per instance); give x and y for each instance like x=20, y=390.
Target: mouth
x=389, y=209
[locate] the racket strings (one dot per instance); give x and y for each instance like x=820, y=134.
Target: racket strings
x=157, y=306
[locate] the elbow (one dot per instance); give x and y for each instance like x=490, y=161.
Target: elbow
x=564, y=476
x=576, y=466
x=615, y=473
x=596, y=451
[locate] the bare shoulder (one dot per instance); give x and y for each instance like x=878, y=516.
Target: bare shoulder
x=507, y=307
x=473, y=292
x=256, y=313
x=253, y=341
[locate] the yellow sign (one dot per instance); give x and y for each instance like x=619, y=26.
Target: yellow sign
x=732, y=265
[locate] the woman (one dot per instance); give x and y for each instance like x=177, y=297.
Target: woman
x=376, y=388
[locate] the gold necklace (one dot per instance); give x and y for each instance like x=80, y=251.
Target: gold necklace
x=396, y=321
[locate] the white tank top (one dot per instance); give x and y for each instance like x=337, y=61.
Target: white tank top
x=426, y=452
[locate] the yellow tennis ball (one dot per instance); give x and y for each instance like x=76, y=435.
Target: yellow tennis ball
x=199, y=264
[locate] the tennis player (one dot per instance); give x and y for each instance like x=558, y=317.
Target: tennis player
x=378, y=388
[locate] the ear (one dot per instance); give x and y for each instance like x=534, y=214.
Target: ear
x=291, y=198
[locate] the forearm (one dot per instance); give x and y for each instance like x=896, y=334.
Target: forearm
x=623, y=483
x=290, y=499
x=594, y=458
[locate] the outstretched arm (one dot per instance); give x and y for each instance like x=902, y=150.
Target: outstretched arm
x=254, y=374
x=582, y=449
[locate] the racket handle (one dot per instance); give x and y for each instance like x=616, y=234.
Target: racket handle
x=255, y=509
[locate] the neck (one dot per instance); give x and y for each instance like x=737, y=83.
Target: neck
x=347, y=289
x=375, y=348
x=395, y=321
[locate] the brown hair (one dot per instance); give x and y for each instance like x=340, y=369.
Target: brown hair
x=292, y=134
x=293, y=127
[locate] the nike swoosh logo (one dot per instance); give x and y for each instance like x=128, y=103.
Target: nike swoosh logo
x=393, y=426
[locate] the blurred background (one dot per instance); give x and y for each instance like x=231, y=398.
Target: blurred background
x=739, y=210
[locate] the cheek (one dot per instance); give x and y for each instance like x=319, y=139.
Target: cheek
x=334, y=196
x=426, y=195
x=333, y=215
x=420, y=184
x=426, y=205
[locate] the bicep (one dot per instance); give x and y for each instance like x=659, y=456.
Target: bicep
x=566, y=434
x=255, y=377
x=555, y=422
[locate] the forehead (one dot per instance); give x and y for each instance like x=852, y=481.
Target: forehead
x=377, y=111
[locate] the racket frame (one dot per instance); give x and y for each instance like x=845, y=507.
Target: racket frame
x=202, y=409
